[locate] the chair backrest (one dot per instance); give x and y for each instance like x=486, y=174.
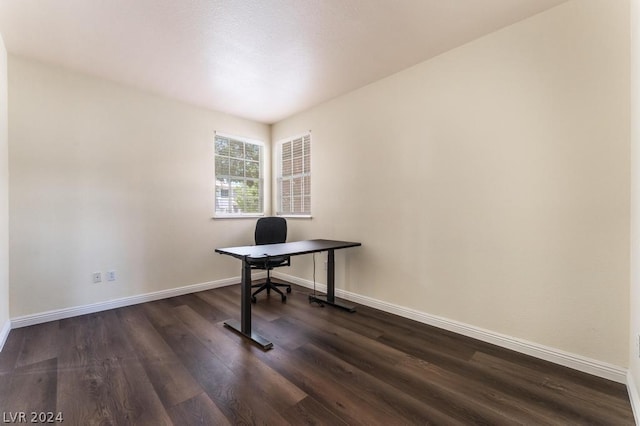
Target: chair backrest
x=271, y=230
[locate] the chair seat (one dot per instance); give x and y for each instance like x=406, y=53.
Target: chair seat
x=271, y=262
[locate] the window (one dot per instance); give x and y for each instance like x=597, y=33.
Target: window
x=294, y=176
x=239, y=176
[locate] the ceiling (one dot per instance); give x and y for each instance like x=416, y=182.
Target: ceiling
x=259, y=59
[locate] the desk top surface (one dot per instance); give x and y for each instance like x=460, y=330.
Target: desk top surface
x=286, y=249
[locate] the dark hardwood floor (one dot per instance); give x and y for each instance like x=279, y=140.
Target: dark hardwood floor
x=173, y=362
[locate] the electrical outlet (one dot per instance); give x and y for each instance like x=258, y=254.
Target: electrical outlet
x=96, y=277
x=111, y=275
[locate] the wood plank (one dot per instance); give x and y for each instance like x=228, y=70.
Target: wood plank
x=31, y=388
x=312, y=412
x=199, y=410
x=171, y=380
x=11, y=350
x=204, y=309
x=40, y=343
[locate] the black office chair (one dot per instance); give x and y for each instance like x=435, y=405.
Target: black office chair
x=270, y=230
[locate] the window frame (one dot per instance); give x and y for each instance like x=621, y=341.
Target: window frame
x=279, y=176
x=261, y=177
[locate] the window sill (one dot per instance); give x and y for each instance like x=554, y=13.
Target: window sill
x=243, y=216
x=296, y=216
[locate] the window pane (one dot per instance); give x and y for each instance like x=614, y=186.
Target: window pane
x=286, y=168
x=307, y=145
x=297, y=205
x=307, y=185
x=286, y=151
x=222, y=146
x=246, y=196
x=286, y=159
x=237, y=149
x=297, y=186
x=223, y=203
x=239, y=191
x=252, y=152
x=307, y=163
x=222, y=166
x=286, y=204
x=297, y=147
x=286, y=188
x=297, y=165
x=252, y=169
x=236, y=167
x=250, y=202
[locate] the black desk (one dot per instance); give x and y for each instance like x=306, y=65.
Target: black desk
x=296, y=248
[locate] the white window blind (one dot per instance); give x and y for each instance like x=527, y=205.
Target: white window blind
x=294, y=177
x=239, y=176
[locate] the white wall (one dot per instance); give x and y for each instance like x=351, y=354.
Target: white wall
x=4, y=198
x=489, y=185
x=104, y=177
x=634, y=328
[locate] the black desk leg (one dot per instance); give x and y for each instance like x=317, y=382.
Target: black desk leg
x=244, y=327
x=330, y=298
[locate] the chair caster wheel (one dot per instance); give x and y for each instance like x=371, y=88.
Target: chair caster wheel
x=253, y=299
x=288, y=289
x=284, y=298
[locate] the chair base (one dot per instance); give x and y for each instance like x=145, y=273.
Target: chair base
x=270, y=285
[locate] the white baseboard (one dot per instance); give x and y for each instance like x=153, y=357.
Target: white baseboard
x=557, y=356
x=59, y=314
x=634, y=397
x=4, y=333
